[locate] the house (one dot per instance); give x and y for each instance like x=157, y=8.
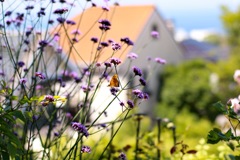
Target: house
x=199, y=49
x=133, y=22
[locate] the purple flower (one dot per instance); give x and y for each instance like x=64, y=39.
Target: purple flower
x=122, y=104
x=104, y=44
x=70, y=22
x=115, y=61
x=114, y=90
x=155, y=34
x=40, y=75
x=142, y=81
x=59, y=50
x=80, y=128
x=105, y=8
x=69, y=115
x=8, y=13
x=23, y=80
x=127, y=41
x=60, y=11
x=56, y=134
x=49, y=98
x=145, y=96
x=160, y=60
x=29, y=7
x=43, y=43
x=130, y=104
x=76, y=32
x=122, y=156
x=21, y=63
x=116, y=46
x=132, y=56
x=137, y=71
x=136, y=92
x=105, y=24
x=85, y=149
x=50, y=21
x=107, y=64
x=61, y=20
x=94, y=39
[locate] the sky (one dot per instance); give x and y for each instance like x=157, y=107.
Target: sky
x=190, y=17
x=190, y=14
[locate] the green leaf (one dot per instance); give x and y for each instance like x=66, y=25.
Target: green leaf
x=220, y=107
x=229, y=134
x=19, y=114
x=231, y=146
x=213, y=136
x=12, y=149
x=5, y=155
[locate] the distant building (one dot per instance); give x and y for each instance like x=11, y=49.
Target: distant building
x=199, y=49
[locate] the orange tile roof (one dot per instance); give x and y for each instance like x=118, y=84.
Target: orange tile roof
x=126, y=21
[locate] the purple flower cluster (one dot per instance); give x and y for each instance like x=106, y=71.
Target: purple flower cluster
x=142, y=81
x=85, y=149
x=127, y=41
x=130, y=104
x=137, y=71
x=80, y=128
x=60, y=11
x=139, y=94
x=116, y=46
x=160, y=60
x=94, y=39
x=122, y=156
x=132, y=56
x=114, y=90
x=115, y=61
x=105, y=24
x=40, y=75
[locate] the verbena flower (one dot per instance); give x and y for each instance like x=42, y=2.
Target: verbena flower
x=105, y=24
x=107, y=64
x=130, y=104
x=122, y=104
x=85, y=149
x=127, y=41
x=29, y=7
x=114, y=90
x=80, y=128
x=137, y=71
x=136, y=91
x=132, y=56
x=160, y=60
x=94, y=39
x=43, y=43
x=70, y=22
x=76, y=32
x=61, y=20
x=104, y=44
x=40, y=75
x=142, y=81
x=8, y=13
x=49, y=98
x=23, y=80
x=116, y=46
x=122, y=156
x=115, y=61
x=21, y=63
x=60, y=11
x=105, y=8
x=155, y=34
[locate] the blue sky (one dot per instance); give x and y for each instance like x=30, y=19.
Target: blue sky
x=190, y=14
x=186, y=14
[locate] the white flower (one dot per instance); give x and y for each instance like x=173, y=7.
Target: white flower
x=236, y=76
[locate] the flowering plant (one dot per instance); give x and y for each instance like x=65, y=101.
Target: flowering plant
x=44, y=102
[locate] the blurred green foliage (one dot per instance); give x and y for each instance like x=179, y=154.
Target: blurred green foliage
x=188, y=86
